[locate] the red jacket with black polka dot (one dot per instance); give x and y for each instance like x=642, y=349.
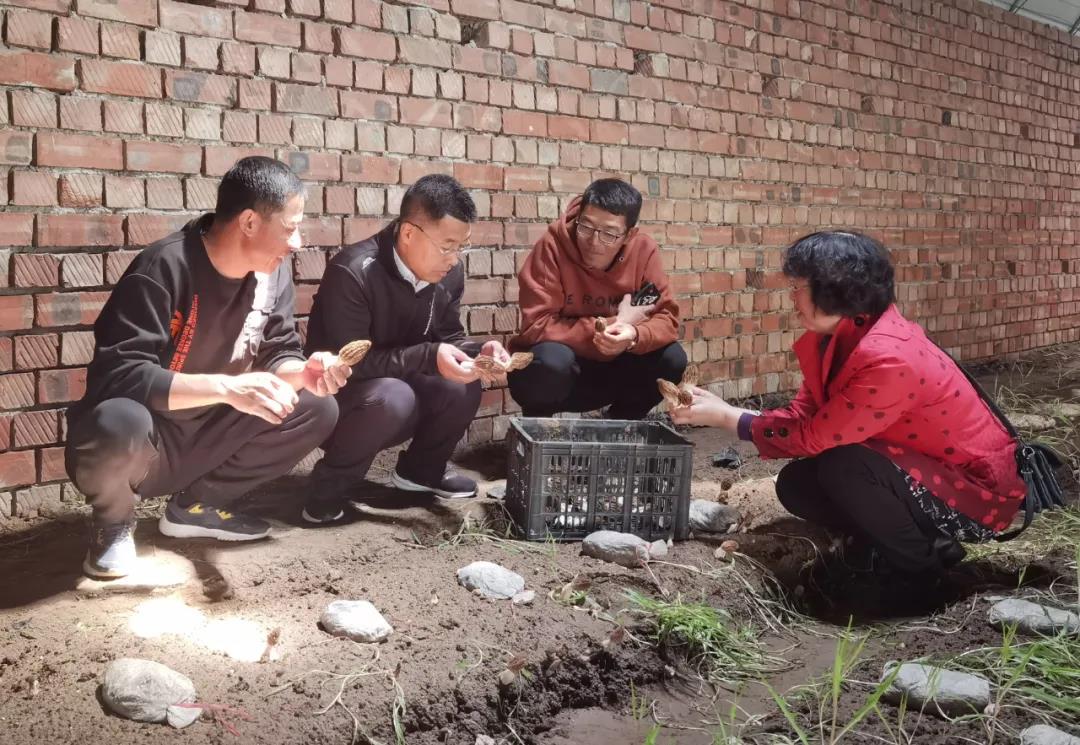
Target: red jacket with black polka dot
x=881, y=383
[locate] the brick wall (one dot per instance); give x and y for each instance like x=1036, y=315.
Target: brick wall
x=952, y=131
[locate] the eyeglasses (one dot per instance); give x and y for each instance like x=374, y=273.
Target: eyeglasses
x=585, y=232
x=464, y=248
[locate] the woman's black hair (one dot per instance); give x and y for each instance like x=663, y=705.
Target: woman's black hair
x=849, y=273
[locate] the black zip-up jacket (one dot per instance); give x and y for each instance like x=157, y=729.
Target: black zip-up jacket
x=363, y=296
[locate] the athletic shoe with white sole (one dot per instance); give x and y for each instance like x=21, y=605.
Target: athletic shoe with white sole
x=322, y=512
x=200, y=520
x=111, y=553
x=452, y=486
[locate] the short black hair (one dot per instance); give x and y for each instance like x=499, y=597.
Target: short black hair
x=256, y=183
x=850, y=273
x=615, y=196
x=435, y=196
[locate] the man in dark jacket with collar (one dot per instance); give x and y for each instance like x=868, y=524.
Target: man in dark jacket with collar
x=401, y=289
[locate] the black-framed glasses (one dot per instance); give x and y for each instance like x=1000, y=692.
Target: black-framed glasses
x=459, y=251
x=585, y=232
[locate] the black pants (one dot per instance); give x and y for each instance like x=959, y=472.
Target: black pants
x=118, y=451
x=559, y=380
x=379, y=413
x=860, y=492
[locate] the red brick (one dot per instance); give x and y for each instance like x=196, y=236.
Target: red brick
x=68, y=308
x=51, y=71
x=201, y=54
x=564, y=73
x=33, y=189
x=144, y=229
x=164, y=194
x=16, y=313
x=256, y=94
x=116, y=263
x=366, y=44
x=338, y=10
x=61, y=386
x=426, y=112
x=199, y=87
x=80, y=190
x=124, y=192
x=80, y=113
x=28, y=28
x=198, y=20
x=239, y=126
x=221, y=159
x=79, y=151
x=30, y=428
x=428, y=52
x=608, y=133
x=305, y=99
x=141, y=12
x=476, y=8
x=120, y=78
x=528, y=123
x=479, y=176
x=264, y=29
x=76, y=347
x=320, y=231
x=477, y=117
x=15, y=147
x=16, y=229
x=36, y=270
x=33, y=109
x=49, y=6
x=237, y=58
x=52, y=465
x=368, y=13
x=164, y=120
x=370, y=169
x=121, y=40
x=35, y=351
x=162, y=157
x=17, y=468
x=80, y=230
x=315, y=166
x=413, y=170
x=5, y=362
x=526, y=179
x=83, y=270
x=124, y=116
x=368, y=106
x=78, y=35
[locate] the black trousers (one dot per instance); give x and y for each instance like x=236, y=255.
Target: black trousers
x=379, y=413
x=858, y=491
x=560, y=380
x=118, y=451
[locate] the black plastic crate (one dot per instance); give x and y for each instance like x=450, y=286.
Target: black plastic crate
x=570, y=477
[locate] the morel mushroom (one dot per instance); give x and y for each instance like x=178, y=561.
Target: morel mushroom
x=677, y=396
x=519, y=361
x=600, y=325
x=354, y=351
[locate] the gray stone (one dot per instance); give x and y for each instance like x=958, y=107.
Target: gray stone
x=490, y=580
x=524, y=598
x=358, y=620
x=484, y=740
x=1033, y=618
x=497, y=490
x=939, y=690
x=625, y=549
x=143, y=690
x=1044, y=734
x=713, y=517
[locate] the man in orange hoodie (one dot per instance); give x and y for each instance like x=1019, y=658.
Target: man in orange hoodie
x=591, y=264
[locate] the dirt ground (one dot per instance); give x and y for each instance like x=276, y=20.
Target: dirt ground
x=437, y=677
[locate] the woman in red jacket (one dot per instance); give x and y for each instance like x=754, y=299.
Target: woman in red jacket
x=892, y=444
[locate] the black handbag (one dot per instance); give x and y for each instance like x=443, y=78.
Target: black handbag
x=1035, y=462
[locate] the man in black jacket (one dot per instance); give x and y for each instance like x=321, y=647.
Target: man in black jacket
x=401, y=289
x=198, y=387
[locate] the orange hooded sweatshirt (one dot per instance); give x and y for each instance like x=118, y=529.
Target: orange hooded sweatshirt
x=560, y=296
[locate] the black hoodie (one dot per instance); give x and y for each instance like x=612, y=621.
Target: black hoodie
x=363, y=296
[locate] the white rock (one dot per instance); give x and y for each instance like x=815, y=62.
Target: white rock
x=490, y=580
x=1044, y=734
x=358, y=620
x=1033, y=618
x=497, y=490
x=946, y=691
x=1031, y=422
x=144, y=690
x=524, y=598
x=484, y=740
x=625, y=549
x=712, y=517
x=182, y=716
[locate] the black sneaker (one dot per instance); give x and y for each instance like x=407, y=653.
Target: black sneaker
x=321, y=512
x=452, y=486
x=204, y=521
x=111, y=553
